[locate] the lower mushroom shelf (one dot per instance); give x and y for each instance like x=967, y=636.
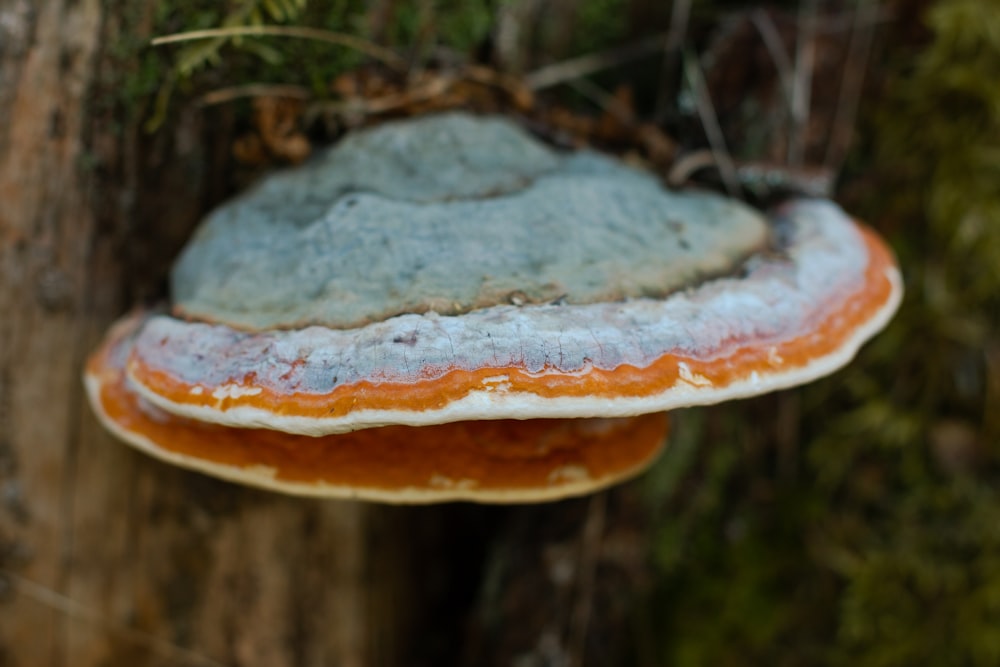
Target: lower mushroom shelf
x=502, y=461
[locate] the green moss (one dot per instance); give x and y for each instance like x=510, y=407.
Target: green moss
x=187, y=69
x=600, y=23
x=464, y=25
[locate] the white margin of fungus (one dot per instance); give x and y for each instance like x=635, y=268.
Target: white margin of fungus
x=473, y=406
x=489, y=401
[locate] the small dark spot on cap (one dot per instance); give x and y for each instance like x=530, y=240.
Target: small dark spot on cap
x=559, y=300
x=409, y=339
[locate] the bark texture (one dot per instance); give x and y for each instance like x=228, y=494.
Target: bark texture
x=108, y=557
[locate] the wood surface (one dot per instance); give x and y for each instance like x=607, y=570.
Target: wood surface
x=108, y=557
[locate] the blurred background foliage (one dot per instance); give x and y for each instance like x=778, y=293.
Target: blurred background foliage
x=874, y=537
x=855, y=521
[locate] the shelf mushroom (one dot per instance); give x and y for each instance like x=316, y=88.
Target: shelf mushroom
x=446, y=308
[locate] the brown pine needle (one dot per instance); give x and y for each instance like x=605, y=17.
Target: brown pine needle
x=228, y=94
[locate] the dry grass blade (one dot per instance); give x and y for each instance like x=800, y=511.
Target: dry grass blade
x=772, y=41
x=382, y=54
x=866, y=14
x=577, y=68
x=710, y=121
x=363, y=106
x=680, y=15
x=805, y=57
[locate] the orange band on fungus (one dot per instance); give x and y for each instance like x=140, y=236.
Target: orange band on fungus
x=766, y=357
x=505, y=460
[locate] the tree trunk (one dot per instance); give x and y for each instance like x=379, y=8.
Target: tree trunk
x=106, y=556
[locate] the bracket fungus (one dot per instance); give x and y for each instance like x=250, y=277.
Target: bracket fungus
x=446, y=308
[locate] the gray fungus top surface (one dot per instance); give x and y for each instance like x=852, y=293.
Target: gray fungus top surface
x=451, y=213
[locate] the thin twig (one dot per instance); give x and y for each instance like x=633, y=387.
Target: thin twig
x=805, y=57
x=776, y=48
x=362, y=106
x=680, y=13
x=685, y=166
x=380, y=53
x=706, y=111
x=858, y=52
x=73, y=609
x=577, y=68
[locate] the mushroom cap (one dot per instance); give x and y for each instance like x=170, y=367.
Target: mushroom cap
x=791, y=314
x=492, y=461
x=449, y=214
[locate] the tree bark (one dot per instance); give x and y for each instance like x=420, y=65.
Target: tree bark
x=106, y=556
x=110, y=558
